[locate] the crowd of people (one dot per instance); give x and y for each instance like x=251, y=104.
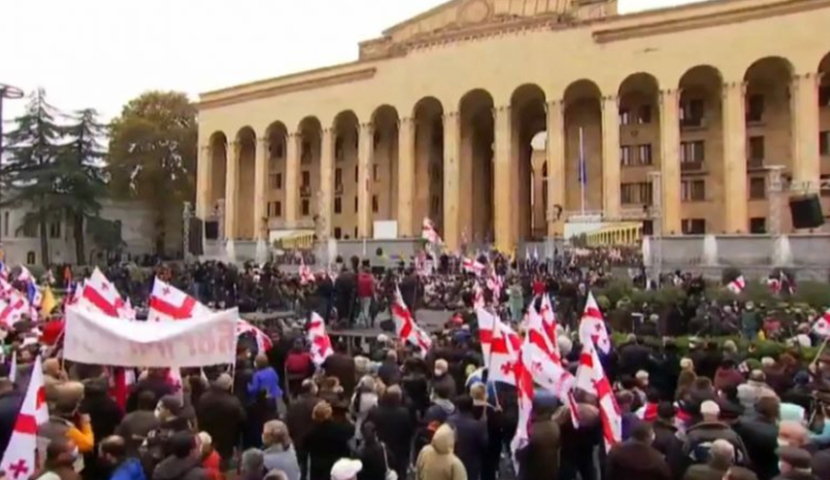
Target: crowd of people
x=387, y=410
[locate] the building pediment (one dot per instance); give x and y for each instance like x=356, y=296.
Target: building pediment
x=459, y=17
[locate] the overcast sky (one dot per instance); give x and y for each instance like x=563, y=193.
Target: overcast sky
x=101, y=53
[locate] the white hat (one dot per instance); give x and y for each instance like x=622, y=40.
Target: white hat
x=346, y=469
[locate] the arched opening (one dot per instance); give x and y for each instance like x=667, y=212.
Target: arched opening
x=583, y=148
x=528, y=119
x=768, y=131
x=824, y=125
x=476, y=165
x=384, y=174
x=344, y=201
x=701, y=151
x=275, y=192
x=218, y=171
x=429, y=163
x=639, y=138
x=245, y=195
x=31, y=258
x=310, y=135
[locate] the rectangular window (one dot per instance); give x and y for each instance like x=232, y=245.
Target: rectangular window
x=55, y=229
x=375, y=205
x=625, y=116
x=338, y=233
x=691, y=112
x=693, y=226
x=338, y=149
x=645, y=193
x=338, y=176
x=644, y=114
x=824, y=143
x=277, y=209
x=693, y=190
x=305, y=152
x=355, y=174
x=6, y=221
x=757, y=188
x=337, y=205
x=644, y=154
x=275, y=180
x=375, y=170
x=306, y=178
x=355, y=204
x=627, y=193
x=755, y=108
x=758, y=225
x=305, y=207
x=278, y=150
x=692, y=152
x=625, y=155
x=756, y=150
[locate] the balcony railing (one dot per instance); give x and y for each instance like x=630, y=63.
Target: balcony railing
x=338, y=189
x=691, y=166
x=754, y=163
x=305, y=191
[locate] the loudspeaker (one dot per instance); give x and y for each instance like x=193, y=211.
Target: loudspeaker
x=806, y=211
x=195, y=241
x=212, y=230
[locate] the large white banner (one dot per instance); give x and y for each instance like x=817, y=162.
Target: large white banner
x=91, y=337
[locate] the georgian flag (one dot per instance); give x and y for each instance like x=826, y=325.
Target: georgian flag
x=168, y=303
x=405, y=326
x=19, y=460
x=13, y=309
x=647, y=412
x=524, y=390
x=821, y=326
x=6, y=288
x=541, y=358
x=478, y=296
x=499, y=347
x=737, y=286
x=100, y=294
x=473, y=266
x=263, y=343
x=319, y=339
x=306, y=276
x=549, y=325
x=429, y=233
x=592, y=327
x=591, y=377
x=495, y=284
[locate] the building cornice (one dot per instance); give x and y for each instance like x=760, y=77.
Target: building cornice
x=275, y=87
x=697, y=19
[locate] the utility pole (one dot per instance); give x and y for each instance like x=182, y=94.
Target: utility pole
x=11, y=93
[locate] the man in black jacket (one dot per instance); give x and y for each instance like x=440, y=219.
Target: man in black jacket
x=299, y=422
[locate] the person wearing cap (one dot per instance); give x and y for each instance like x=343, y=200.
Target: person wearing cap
x=700, y=437
x=442, y=379
x=794, y=464
x=346, y=469
x=221, y=415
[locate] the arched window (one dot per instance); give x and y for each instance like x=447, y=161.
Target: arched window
x=31, y=258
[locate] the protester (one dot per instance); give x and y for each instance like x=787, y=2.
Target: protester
x=183, y=462
x=61, y=454
x=437, y=461
x=114, y=454
x=636, y=458
x=222, y=416
x=279, y=453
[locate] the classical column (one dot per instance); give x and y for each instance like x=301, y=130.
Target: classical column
x=503, y=210
x=734, y=157
x=364, y=171
x=556, y=166
x=670, y=160
x=291, y=187
x=231, y=189
x=406, y=177
x=804, y=112
x=324, y=194
x=260, y=185
x=452, y=178
x=203, y=182
x=610, y=157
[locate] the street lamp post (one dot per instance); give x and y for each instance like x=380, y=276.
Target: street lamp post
x=11, y=93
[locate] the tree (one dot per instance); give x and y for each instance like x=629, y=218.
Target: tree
x=29, y=171
x=81, y=182
x=153, y=154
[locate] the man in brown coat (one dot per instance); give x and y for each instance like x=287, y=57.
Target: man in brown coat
x=539, y=460
x=636, y=458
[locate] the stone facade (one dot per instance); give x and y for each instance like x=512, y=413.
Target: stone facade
x=137, y=232
x=436, y=118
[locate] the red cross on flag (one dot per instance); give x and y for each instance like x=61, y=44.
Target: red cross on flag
x=319, y=339
x=5, y=288
x=592, y=326
x=473, y=266
x=168, y=303
x=13, y=308
x=821, y=326
x=405, y=325
x=548, y=320
x=19, y=458
x=523, y=380
x=542, y=359
x=499, y=347
x=100, y=294
x=263, y=342
x=737, y=286
x=591, y=377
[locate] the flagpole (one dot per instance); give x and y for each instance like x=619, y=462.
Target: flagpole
x=582, y=179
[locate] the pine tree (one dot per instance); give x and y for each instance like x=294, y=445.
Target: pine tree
x=29, y=170
x=81, y=182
